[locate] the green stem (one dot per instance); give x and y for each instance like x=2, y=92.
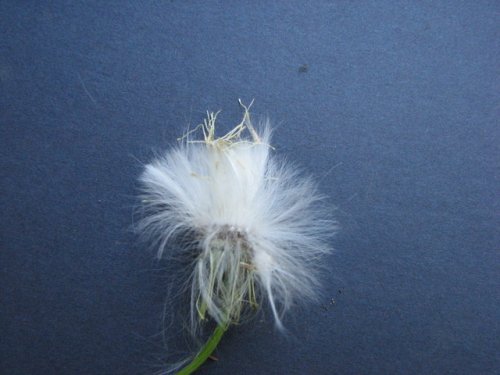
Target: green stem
x=205, y=351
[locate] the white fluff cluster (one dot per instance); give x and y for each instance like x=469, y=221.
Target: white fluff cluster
x=258, y=226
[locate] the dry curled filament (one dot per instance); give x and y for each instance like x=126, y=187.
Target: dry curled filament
x=258, y=225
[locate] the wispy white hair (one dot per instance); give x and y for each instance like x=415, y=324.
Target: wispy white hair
x=258, y=225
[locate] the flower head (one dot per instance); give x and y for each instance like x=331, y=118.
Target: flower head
x=255, y=221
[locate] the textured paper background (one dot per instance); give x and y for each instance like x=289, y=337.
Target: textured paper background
x=393, y=105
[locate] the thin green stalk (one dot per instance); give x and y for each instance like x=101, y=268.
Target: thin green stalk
x=205, y=351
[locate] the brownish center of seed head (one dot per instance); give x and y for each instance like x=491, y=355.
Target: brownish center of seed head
x=236, y=235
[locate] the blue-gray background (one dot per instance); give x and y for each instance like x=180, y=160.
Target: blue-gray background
x=393, y=105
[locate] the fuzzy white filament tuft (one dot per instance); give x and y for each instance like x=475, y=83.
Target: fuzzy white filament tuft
x=258, y=226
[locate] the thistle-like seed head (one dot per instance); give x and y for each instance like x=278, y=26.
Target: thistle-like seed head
x=258, y=224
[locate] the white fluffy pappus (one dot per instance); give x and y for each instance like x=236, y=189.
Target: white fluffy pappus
x=259, y=228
